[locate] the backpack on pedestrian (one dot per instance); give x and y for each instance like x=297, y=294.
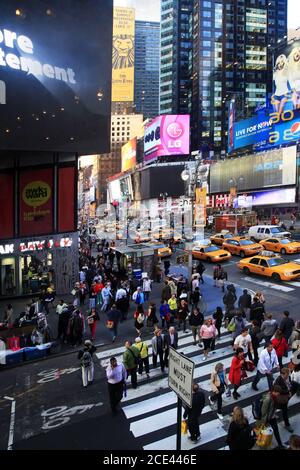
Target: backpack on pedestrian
x=86, y=360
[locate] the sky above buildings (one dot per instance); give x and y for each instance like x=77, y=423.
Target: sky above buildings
x=150, y=10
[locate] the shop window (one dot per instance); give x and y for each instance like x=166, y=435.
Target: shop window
x=8, y=276
x=36, y=273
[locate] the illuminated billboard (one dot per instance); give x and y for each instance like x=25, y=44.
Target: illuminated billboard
x=123, y=54
x=129, y=155
x=260, y=170
x=286, y=78
x=55, y=75
x=167, y=135
x=265, y=198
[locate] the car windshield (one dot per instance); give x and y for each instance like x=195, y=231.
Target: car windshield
x=228, y=235
x=277, y=230
x=209, y=249
x=285, y=241
x=277, y=262
x=246, y=242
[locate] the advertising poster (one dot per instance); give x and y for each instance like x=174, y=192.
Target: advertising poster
x=36, y=202
x=123, y=54
x=286, y=78
x=66, y=199
x=231, y=126
x=167, y=135
x=200, y=207
x=252, y=131
x=129, y=155
x=55, y=75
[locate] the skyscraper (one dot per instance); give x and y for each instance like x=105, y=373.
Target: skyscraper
x=176, y=56
x=146, y=73
x=232, y=42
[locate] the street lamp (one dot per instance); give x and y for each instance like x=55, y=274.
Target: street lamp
x=194, y=180
x=162, y=196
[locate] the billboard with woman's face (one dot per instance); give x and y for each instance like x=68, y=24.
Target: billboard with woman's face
x=55, y=75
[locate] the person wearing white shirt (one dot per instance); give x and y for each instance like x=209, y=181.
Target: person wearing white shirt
x=267, y=361
x=243, y=341
x=121, y=294
x=147, y=287
x=60, y=307
x=195, y=283
x=116, y=377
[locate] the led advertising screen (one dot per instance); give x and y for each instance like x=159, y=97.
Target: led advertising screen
x=129, y=155
x=249, y=132
x=55, y=75
x=123, y=54
x=264, y=169
x=280, y=196
x=167, y=135
x=286, y=78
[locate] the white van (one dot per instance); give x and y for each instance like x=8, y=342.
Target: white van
x=260, y=232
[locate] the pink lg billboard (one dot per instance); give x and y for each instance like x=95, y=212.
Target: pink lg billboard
x=167, y=135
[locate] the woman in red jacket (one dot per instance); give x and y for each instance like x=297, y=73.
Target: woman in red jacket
x=235, y=373
x=280, y=345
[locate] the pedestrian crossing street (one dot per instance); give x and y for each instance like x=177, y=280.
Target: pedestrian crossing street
x=152, y=408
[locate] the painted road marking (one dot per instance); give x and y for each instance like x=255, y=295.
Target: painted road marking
x=60, y=415
x=54, y=374
x=268, y=284
x=12, y=422
x=293, y=283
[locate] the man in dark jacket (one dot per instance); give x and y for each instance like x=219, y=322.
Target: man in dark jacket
x=286, y=325
x=166, y=292
x=114, y=315
x=130, y=361
x=268, y=409
x=193, y=414
x=229, y=299
x=171, y=339
x=257, y=311
x=245, y=302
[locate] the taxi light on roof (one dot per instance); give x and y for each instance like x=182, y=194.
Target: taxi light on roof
x=270, y=254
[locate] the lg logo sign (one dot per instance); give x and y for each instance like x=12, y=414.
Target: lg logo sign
x=2, y=92
x=175, y=131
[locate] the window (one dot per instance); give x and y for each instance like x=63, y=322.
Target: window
x=254, y=261
x=263, y=263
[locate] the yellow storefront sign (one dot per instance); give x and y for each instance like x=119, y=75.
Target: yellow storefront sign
x=123, y=54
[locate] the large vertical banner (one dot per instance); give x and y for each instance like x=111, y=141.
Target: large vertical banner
x=123, y=54
x=231, y=119
x=7, y=205
x=36, y=202
x=66, y=199
x=200, y=208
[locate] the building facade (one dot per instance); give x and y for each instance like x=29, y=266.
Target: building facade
x=146, y=71
x=232, y=58
x=175, y=57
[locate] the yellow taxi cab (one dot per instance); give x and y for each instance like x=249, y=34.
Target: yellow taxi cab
x=220, y=238
x=142, y=237
x=281, y=245
x=242, y=246
x=164, y=252
x=211, y=253
x=270, y=265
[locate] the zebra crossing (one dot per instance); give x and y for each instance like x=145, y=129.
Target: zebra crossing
x=151, y=409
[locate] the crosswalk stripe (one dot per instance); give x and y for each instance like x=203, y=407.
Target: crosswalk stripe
x=152, y=406
x=293, y=283
x=268, y=284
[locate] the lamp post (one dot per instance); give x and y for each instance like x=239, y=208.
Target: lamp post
x=194, y=180
x=162, y=196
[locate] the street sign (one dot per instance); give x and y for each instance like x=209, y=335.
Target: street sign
x=180, y=378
